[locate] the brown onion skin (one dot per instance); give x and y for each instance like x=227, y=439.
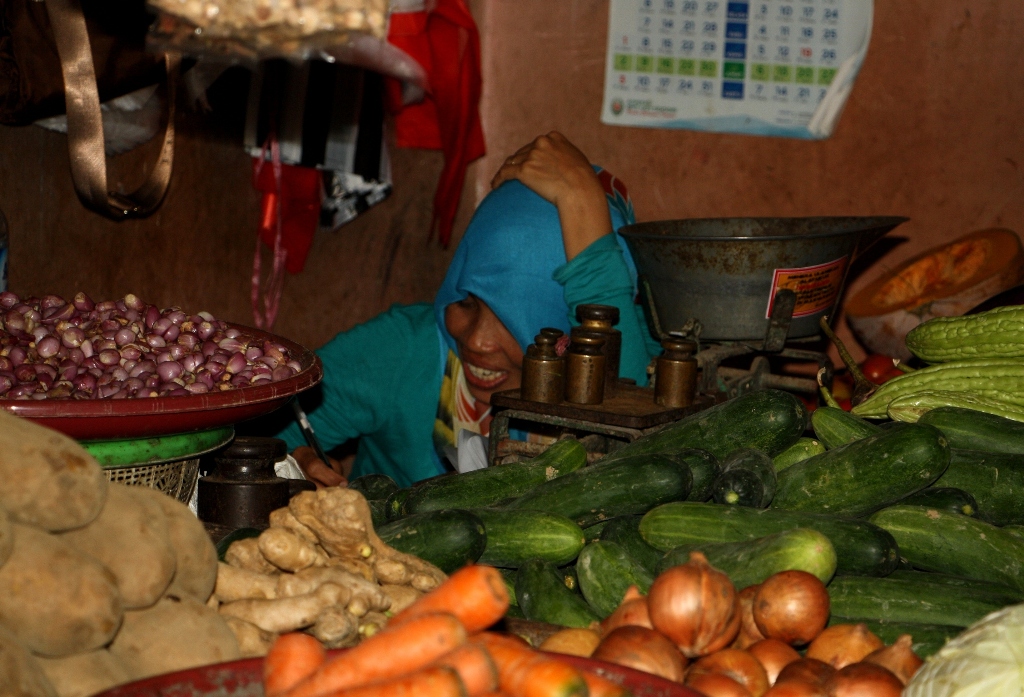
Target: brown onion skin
x=642, y=649
x=774, y=655
x=899, y=658
x=863, y=680
x=749, y=633
x=843, y=644
x=806, y=670
x=632, y=611
x=791, y=606
x=694, y=605
x=737, y=664
x=795, y=688
x=575, y=642
x=717, y=685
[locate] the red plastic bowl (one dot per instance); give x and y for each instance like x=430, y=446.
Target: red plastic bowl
x=243, y=679
x=159, y=416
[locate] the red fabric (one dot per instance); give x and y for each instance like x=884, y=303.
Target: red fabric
x=446, y=43
x=300, y=209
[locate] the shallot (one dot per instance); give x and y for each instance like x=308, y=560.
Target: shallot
x=54, y=349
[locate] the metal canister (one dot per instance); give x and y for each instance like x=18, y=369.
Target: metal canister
x=544, y=370
x=675, y=382
x=585, y=368
x=602, y=318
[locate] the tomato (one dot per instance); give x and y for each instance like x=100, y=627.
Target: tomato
x=844, y=404
x=810, y=403
x=890, y=374
x=842, y=386
x=875, y=368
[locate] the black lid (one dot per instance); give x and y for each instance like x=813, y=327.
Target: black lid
x=255, y=448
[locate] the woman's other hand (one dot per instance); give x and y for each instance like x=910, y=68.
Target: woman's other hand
x=556, y=170
x=316, y=470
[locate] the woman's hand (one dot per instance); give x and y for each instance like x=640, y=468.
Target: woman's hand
x=555, y=169
x=316, y=470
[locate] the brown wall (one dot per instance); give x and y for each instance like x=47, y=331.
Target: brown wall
x=932, y=129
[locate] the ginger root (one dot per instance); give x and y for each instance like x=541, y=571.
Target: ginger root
x=336, y=628
x=401, y=596
x=286, y=550
x=252, y=641
x=283, y=518
x=238, y=584
x=245, y=554
x=286, y=614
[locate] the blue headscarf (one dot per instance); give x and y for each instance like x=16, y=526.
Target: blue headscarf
x=509, y=253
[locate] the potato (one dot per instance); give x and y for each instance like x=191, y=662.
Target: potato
x=56, y=600
x=174, y=634
x=6, y=537
x=252, y=641
x=50, y=481
x=20, y=673
x=196, y=569
x=130, y=538
x=84, y=674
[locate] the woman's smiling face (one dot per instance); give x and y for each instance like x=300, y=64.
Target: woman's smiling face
x=491, y=358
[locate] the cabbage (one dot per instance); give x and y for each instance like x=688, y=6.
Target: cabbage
x=987, y=660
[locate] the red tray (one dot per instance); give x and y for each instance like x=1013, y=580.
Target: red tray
x=243, y=679
x=160, y=416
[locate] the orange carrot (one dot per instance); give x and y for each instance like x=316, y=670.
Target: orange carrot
x=527, y=673
x=476, y=594
x=474, y=666
x=392, y=652
x=603, y=687
x=435, y=681
x=292, y=659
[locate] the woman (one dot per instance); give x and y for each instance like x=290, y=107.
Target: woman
x=409, y=380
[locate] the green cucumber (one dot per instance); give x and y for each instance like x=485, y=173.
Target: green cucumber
x=911, y=407
x=927, y=638
x=966, y=429
x=798, y=452
x=447, y=539
x=995, y=480
x=997, y=591
x=1015, y=530
x=954, y=544
x=901, y=600
x=944, y=498
x=509, y=578
x=515, y=537
x=705, y=468
x=750, y=562
x=996, y=333
x=625, y=531
x=608, y=489
x=861, y=548
x=571, y=579
x=997, y=378
x=592, y=533
x=606, y=571
x=378, y=512
x=863, y=476
x=747, y=479
x=490, y=485
x=835, y=427
x=375, y=487
x=769, y=420
x=394, y=505
x=543, y=597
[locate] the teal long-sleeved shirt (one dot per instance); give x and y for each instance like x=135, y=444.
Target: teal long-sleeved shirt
x=382, y=378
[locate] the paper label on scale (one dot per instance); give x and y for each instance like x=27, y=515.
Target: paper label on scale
x=816, y=287
x=764, y=67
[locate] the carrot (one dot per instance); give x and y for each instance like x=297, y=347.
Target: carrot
x=603, y=687
x=435, y=681
x=392, y=652
x=474, y=666
x=476, y=594
x=292, y=659
x=527, y=673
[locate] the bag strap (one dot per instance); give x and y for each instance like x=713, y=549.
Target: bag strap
x=85, y=123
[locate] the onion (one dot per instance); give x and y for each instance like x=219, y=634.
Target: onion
x=791, y=606
x=694, y=605
x=899, y=658
x=737, y=664
x=774, y=655
x=806, y=670
x=717, y=685
x=642, y=649
x=863, y=680
x=843, y=644
x=574, y=642
x=795, y=688
x=632, y=611
x=749, y=633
